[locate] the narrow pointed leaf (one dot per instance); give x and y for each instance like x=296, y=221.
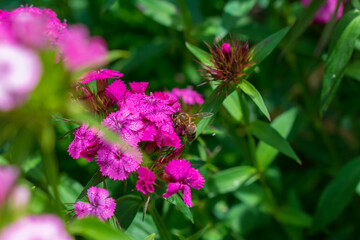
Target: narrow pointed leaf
x=251, y=91
x=337, y=195
x=283, y=124
x=266, y=46
x=181, y=206
x=150, y=237
x=338, y=59
x=269, y=135
x=200, y=54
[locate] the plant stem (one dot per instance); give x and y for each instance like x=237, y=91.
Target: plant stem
x=188, y=25
x=163, y=231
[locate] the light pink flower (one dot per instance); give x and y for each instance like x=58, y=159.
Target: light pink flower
x=188, y=95
x=182, y=177
x=129, y=126
x=99, y=74
x=100, y=204
x=146, y=181
x=116, y=162
x=20, y=72
x=85, y=144
x=41, y=227
x=80, y=51
x=8, y=176
x=325, y=13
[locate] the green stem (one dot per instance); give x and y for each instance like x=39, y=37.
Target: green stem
x=163, y=231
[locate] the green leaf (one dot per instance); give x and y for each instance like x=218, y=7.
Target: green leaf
x=337, y=195
x=150, y=237
x=269, y=135
x=251, y=91
x=353, y=70
x=293, y=217
x=338, y=59
x=69, y=189
x=93, y=228
x=94, y=181
x=181, y=206
x=302, y=23
x=232, y=105
x=282, y=124
x=238, y=8
x=266, y=46
x=117, y=54
x=200, y=54
x=126, y=209
x=162, y=12
x=231, y=179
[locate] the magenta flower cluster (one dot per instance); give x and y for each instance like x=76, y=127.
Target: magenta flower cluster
x=27, y=30
x=139, y=119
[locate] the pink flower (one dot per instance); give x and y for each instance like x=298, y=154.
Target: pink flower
x=85, y=144
x=129, y=126
x=80, y=51
x=99, y=74
x=188, y=95
x=100, y=204
x=35, y=27
x=41, y=227
x=146, y=181
x=20, y=72
x=116, y=91
x=116, y=162
x=226, y=48
x=8, y=176
x=170, y=99
x=182, y=177
x=138, y=87
x=325, y=13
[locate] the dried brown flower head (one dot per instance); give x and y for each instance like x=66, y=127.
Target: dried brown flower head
x=229, y=63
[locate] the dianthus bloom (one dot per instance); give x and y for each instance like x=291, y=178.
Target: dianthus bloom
x=146, y=181
x=41, y=227
x=8, y=176
x=182, y=177
x=188, y=95
x=20, y=72
x=325, y=13
x=100, y=204
x=117, y=162
x=99, y=74
x=85, y=144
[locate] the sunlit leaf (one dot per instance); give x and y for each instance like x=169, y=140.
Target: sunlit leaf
x=269, y=135
x=231, y=179
x=150, y=237
x=200, y=54
x=94, y=229
x=337, y=195
x=251, y=91
x=282, y=124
